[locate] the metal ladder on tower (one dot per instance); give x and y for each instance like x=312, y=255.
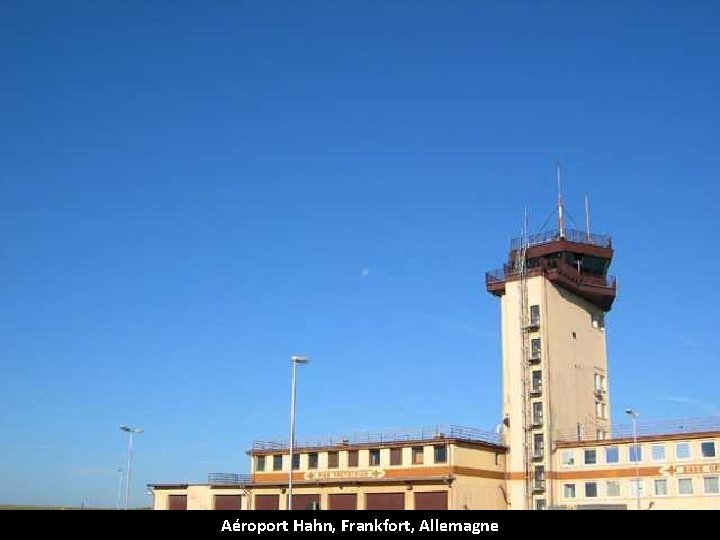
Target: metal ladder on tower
x=521, y=269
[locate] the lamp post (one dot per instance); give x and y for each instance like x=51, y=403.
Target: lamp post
x=128, y=475
x=295, y=360
x=120, y=479
x=634, y=416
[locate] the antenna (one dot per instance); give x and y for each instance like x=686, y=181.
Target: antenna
x=525, y=226
x=587, y=216
x=561, y=219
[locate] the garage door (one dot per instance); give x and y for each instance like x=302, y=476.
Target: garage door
x=431, y=500
x=228, y=502
x=385, y=501
x=177, y=502
x=267, y=502
x=303, y=502
x=342, y=501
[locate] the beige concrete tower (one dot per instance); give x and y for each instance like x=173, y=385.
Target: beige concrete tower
x=554, y=292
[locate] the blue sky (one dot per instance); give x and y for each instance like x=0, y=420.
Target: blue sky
x=190, y=192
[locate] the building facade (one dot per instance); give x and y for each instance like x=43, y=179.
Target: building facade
x=428, y=469
x=557, y=449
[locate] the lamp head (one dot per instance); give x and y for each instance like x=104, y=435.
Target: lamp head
x=299, y=359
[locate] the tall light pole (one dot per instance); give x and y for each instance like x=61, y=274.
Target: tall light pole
x=128, y=475
x=120, y=479
x=295, y=360
x=634, y=416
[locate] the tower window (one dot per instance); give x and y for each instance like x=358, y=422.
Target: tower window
x=375, y=457
x=535, y=315
x=535, y=348
x=537, y=416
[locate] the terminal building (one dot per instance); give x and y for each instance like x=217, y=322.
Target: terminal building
x=558, y=448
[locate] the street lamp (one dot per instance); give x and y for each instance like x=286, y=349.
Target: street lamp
x=634, y=416
x=128, y=475
x=120, y=479
x=295, y=360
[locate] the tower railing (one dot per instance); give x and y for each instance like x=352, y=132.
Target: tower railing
x=564, y=269
x=650, y=428
x=571, y=235
x=428, y=433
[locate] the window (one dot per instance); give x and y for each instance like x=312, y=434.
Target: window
x=352, y=458
x=296, y=462
x=707, y=448
x=658, y=452
x=440, y=453
x=260, y=463
x=277, y=463
x=375, y=457
x=711, y=485
x=591, y=489
x=635, y=487
x=535, y=347
x=538, y=445
x=537, y=413
x=612, y=488
x=682, y=450
x=534, y=315
x=333, y=460
x=603, y=410
x=541, y=504
x=396, y=456
x=536, y=381
x=539, y=483
x=590, y=456
x=598, y=382
x=685, y=486
x=417, y=455
x=569, y=491
x=612, y=454
x=574, y=336
x=312, y=460
x=660, y=486
x=598, y=409
x=635, y=453
x=568, y=458
x=597, y=320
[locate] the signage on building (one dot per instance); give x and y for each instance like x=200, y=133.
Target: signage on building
x=699, y=468
x=344, y=475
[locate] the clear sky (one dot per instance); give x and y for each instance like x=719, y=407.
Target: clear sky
x=190, y=192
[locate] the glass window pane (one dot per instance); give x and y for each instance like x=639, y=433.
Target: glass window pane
x=708, y=448
x=635, y=453
x=711, y=485
x=591, y=489
x=682, y=450
x=685, y=486
x=658, y=452
x=661, y=486
x=590, y=456
x=612, y=488
x=612, y=455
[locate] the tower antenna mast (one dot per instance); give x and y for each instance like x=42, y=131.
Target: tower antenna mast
x=560, y=204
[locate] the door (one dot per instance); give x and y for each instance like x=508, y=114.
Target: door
x=385, y=501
